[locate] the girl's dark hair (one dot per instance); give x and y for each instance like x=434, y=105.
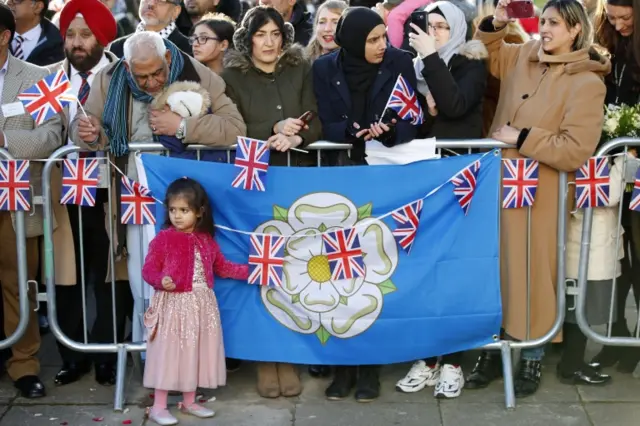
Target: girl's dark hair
x=255, y=19
x=197, y=199
x=608, y=37
x=221, y=25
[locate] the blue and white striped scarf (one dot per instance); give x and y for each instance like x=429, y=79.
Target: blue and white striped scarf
x=122, y=84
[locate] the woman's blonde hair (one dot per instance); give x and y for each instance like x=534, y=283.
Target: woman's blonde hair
x=314, y=50
x=573, y=13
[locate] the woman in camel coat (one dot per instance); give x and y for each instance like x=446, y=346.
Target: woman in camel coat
x=551, y=110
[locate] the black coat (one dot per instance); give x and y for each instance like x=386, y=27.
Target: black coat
x=50, y=47
x=458, y=91
x=302, y=22
x=176, y=37
x=334, y=99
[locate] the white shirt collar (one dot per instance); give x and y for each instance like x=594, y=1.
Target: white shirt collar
x=104, y=61
x=32, y=34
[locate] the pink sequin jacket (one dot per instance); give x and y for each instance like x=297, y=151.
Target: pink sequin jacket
x=172, y=254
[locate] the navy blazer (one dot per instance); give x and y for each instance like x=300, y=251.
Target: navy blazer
x=334, y=99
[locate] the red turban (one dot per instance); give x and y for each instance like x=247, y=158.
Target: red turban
x=98, y=17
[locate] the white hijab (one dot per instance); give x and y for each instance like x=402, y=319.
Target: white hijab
x=457, y=37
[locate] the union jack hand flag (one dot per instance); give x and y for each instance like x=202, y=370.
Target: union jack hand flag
x=592, y=183
x=519, y=182
x=408, y=218
x=48, y=96
x=138, y=205
x=266, y=260
x=252, y=157
x=14, y=185
x=79, y=182
x=635, y=197
x=404, y=102
x=464, y=185
x=344, y=254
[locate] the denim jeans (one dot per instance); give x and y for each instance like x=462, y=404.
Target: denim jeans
x=533, y=354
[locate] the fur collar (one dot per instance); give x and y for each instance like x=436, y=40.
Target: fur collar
x=474, y=50
x=293, y=56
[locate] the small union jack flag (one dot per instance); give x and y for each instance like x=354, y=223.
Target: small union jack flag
x=408, y=218
x=266, y=260
x=252, y=157
x=79, y=182
x=519, y=182
x=635, y=196
x=14, y=185
x=344, y=254
x=138, y=205
x=404, y=102
x=464, y=185
x=592, y=183
x=48, y=97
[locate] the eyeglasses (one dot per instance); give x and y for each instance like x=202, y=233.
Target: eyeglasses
x=439, y=27
x=201, y=39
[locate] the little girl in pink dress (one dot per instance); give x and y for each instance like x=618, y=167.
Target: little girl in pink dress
x=185, y=348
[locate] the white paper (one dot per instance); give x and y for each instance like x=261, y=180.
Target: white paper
x=12, y=109
x=410, y=152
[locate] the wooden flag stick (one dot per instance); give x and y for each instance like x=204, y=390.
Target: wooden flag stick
x=78, y=100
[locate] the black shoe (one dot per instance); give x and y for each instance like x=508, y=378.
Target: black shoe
x=71, y=372
x=233, y=364
x=487, y=369
x=527, y=381
x=629, y=358
x=30, y=387
x=105, y=374
x=610, y=355
x=344, y=379
x=585, y=375
x=368, y=384
x=319, y=371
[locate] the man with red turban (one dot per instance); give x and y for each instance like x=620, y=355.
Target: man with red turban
x=87, y=27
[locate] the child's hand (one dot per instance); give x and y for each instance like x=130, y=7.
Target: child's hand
x=168, y=284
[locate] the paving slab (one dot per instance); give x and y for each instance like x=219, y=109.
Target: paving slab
x=622, y=388
x=374, y=414
x=85, y=415
x=620, y=414
x=524, y=415
x=269, y=413
x=8, y=392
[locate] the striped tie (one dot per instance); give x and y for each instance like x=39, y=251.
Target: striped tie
x=17, y=50
x=83, y=94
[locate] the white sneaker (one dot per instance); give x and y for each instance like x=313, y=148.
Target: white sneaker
x=420, y=376
x=450, y=383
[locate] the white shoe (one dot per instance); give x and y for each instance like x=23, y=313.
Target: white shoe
x=197, y=411
x=451, y=382
x=161, y=417
x=420, y=376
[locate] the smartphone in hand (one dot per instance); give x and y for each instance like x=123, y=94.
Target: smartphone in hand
x=519, y=9
x=419, y=19
x=307, y=117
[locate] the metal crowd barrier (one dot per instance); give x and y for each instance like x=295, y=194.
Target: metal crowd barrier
x=583, y=266
x=121, y=349
x=23, y=279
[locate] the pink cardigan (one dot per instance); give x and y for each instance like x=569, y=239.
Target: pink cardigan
x=172, y=254
x=398, y=16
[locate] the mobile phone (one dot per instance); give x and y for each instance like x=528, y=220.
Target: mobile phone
x=520, y=9
x=388, y=116
x=419, y=19
x=307, y=117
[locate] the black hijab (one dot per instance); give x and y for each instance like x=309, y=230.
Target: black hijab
x=351, y=35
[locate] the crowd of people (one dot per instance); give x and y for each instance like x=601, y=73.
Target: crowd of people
x=254, y=70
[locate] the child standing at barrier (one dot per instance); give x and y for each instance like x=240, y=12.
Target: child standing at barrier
x=604, y=266
x=185, y=349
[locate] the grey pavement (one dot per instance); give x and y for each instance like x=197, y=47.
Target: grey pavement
x=88, y=404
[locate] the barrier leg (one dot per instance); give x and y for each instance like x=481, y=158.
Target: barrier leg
x=121, y=372
x=507, y=372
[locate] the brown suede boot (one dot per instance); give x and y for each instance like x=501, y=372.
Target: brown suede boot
x=268, y=385
x=289, y=378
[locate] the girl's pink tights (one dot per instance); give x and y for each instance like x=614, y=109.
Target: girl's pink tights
x=161, y=396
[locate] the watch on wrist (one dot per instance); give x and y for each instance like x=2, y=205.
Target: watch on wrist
x=182, y=129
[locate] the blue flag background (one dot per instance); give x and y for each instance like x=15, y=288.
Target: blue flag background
x=441, y=298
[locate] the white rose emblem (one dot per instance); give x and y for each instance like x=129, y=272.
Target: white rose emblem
x=309, y=301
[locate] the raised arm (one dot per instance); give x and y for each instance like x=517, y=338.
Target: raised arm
x=502, y=56
x=397, y=18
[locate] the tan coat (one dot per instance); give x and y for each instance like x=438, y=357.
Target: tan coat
x=26, y=141
x=559, y=98
x=220, y=128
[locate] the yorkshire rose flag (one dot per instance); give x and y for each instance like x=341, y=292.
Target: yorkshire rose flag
x=442, y=297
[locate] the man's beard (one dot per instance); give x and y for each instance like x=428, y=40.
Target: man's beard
x=87, y=62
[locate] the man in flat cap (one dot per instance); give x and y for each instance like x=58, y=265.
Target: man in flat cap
x=87, y=27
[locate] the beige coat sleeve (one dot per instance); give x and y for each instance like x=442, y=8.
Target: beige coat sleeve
x=35, y=143
x=578, y=133
x=223, y=126
x=502, y=56
x=95, y=107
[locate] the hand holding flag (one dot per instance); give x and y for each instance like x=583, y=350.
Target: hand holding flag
x=48, y=96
